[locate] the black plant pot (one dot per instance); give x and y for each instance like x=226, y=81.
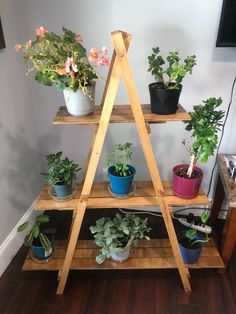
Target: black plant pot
x=164, y=101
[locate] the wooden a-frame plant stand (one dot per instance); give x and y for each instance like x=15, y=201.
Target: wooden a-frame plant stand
x=158, y=193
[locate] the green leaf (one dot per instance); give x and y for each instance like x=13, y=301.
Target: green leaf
x=23, y=226
x=100, y=259
x=46, y=244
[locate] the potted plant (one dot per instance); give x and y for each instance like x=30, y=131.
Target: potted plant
x=191, y=242
x=120, y=173
x=116, y=235
x=40, y=239
x=206, y=122
x=62, y=60
x=61, y=174
x=165, y=91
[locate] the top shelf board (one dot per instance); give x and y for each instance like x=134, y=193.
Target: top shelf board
x=120, y=114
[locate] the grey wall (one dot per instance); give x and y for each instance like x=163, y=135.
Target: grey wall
x=20, y=156
x=186, y=25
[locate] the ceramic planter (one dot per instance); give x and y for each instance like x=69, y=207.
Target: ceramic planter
x=121, y=185
x=164, y=101
x=186, y=188
x=77, y=103
x=123, y=254
x=189, y=255
x=63, y=190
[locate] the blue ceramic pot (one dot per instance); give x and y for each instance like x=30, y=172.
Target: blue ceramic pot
x=121, y=185
x=190, y=256
x=62, y=190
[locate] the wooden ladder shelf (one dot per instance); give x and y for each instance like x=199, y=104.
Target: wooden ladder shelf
x=153, y=254
x=120, y=66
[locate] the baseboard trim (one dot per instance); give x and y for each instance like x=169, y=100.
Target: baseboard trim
x=14, y=240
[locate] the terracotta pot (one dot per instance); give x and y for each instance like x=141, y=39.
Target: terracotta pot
x=186, y=188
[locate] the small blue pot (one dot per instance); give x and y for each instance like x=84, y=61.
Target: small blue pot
x=63, y=190
x=190, y=256
x=40, y=253
x=121, y=185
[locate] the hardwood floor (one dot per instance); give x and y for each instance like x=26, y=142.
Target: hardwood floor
x=116, y=292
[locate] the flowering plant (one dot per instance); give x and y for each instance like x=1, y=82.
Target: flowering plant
x=62, y=60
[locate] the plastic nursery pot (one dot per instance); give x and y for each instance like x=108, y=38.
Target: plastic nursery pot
x=121, y=185
x=186, y=188
x=164, y=101
x=62, y=190
x=123, y=253
x=39, y=253
x=189, y=255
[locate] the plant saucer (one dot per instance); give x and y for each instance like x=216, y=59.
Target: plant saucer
x=122, y=196
x=51, y=192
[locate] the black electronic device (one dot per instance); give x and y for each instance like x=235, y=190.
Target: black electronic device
x=227, y=27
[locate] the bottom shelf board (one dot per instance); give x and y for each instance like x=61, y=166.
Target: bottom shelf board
x=153, y=254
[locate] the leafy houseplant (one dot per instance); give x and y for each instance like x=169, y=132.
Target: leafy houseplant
x=40, y=239
x=62, y=60
x=61, y=174
x=113, y=235
x=120, y=173
x=165, y=91
x=206, y=122
x=191, y=242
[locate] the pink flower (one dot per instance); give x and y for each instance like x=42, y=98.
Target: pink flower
x=72, y=74
x=41, y=31
x=78, y=38
x=28, y=44
x=94, y=52
x=61, y=71
x=17, y=47
x=104, y=50
x=102, y=61
x=70, y=63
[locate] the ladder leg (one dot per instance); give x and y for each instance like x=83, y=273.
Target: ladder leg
x=148, y=152
x=111, y=92
x=71, y=247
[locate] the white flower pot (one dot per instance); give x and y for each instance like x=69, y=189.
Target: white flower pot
x=123, y=254
x=77, y=103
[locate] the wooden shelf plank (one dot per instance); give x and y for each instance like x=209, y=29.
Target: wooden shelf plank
x=153, y=254
x=120, y=114
x=100, y=198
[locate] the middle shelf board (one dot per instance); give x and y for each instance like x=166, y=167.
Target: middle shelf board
x=100, y=197
x=153, y=254
x=120, y=114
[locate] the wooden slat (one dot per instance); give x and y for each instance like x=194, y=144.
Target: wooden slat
x=101, y=198
x=120, y=114
x=155, y=254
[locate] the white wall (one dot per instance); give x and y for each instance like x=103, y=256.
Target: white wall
x=186, y=25
x=20, y=157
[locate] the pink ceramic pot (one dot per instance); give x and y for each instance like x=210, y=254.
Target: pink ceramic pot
x=184, y=187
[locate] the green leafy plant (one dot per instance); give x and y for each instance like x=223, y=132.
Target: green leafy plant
x=172, y=76
x=112, y=234
x=205, y=123
x=62, y=59
x=121, y=154
x=192, y=234
x=35, y=231
x=60, y=171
